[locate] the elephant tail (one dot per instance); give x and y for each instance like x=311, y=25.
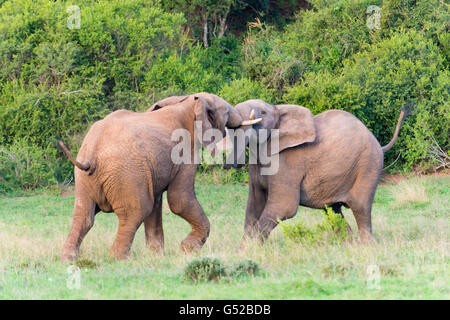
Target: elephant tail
x=82, y=166
x=406, y=110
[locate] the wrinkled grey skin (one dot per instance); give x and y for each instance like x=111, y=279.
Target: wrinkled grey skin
x=331, y=159
x=124, y=165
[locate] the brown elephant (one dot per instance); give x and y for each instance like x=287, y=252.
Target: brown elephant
x=124, y=165
x=331, y=159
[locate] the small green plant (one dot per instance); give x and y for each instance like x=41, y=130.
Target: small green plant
x=205, y=269
x=298, y=232
x=86, y=263
x=331, y=230
x=245, y=268
x=335, y=225
x=212, y=269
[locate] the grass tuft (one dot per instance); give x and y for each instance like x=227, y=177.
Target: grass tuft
x=410, y=191
x=205, y=269
x=331, y=230
x=244, y=268
x=86, y=263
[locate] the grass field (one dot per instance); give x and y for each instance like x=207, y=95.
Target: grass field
x=411, y=256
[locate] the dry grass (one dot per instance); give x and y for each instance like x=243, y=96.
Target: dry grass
x=412, y=190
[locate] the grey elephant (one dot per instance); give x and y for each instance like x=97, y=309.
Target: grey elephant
x=330, y=159
x=124, y=165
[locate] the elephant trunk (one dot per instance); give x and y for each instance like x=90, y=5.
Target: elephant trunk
x=234, y=119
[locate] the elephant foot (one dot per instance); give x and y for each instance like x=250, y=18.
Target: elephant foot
x=191, y=245
x=68, y=257
x=156, y=248
x=366, y=238
x=69, y=254
x=248, y=240
x=245, y=243
x=119, y=254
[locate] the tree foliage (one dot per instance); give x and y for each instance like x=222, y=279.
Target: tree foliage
x=56, y=80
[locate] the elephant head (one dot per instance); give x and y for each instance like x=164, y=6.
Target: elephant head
x=295, y=125
x=213, y=111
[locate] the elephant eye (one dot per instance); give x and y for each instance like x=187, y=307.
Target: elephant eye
x=263, y=113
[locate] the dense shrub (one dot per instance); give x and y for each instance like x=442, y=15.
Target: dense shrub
x=200, y=69
x=212, y=269
x=24, y=166
x=57, y=81
x=128, y=54
x=243, y=89
x=332, y=229
x=244, y=268
x=318, y=39
x=376, y=83
x=431, y=18
x=205, y=269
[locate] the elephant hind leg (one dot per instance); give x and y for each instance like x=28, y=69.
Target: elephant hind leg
x=360, y=201
x=362, y=210
x=154, y=234
x=129, y=221
x=363, y=220
x=83, y=220
x=131, y=214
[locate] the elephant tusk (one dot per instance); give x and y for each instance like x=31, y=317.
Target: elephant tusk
x=250, y=122
x=252, y=114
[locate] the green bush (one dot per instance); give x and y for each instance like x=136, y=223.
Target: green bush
x=25, y=166
x=129, y=54
x=57, y=81
x=323, y=38
x=212, y=269
x=243, y=89
x=430, y=18
x=215, y=174
x=318, y=39
x=266, y=62
x=333, y=229
x=375, y=84
x=244, y=268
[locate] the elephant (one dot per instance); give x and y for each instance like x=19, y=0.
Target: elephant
x=331, y=159
x=124, y=165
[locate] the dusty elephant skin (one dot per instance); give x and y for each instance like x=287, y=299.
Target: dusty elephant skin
x=331, y=159
x=124, y=166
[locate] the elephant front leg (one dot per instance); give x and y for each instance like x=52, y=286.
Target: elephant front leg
x=193, y=213
x=183, y=202
x=281, y=205
x=154, y=234
x=255, y=206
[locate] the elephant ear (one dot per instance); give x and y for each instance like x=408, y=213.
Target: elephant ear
x=205, y=114
x=166, y=102
x=296, y=126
